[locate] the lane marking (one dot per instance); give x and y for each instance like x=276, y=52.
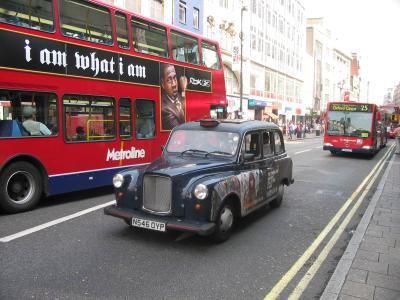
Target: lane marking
x=311, y=272
x=285, y=280
x=52, y=223
x=319, y=147
x=298, y=152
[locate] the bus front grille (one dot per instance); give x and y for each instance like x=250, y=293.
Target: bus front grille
x=157, y=194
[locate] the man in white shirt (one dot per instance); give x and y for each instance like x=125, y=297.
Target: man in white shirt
x=32, y=126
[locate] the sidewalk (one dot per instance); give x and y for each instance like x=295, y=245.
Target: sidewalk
x=308, y=136
x=370, y=266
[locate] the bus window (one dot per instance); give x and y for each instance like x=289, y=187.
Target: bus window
x=125, y=119
x=145, y=119
x=25, y=113
x=122, y=30
x=88, y=118
x=210, y=56
x=185, y=48
x=30, y=14
x=86, y=21
x=149, y=38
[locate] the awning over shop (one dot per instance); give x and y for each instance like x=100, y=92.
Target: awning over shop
x=272, y=115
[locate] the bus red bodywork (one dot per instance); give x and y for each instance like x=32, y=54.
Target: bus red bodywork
x=57, y=164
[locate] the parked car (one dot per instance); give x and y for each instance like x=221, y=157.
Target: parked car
x=210, y=173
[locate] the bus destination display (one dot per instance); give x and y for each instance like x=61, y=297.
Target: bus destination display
x=351, y=107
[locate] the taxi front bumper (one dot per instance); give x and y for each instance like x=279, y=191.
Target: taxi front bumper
x=171, y=223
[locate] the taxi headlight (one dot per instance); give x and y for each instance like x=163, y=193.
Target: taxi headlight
x=118, y=180
x=200, y=191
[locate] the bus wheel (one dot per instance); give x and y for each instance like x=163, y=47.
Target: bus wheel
x=20, y=187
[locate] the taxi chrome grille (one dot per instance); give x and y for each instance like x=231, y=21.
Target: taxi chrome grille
x=157, y=194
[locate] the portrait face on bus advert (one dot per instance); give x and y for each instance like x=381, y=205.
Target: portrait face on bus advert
x=173, y=101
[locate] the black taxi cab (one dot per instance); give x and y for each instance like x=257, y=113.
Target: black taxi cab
x=210, y=173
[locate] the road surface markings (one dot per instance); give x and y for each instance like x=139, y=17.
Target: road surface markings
x=285, y=280
x=298, y=152
x=309, y=275
x=52, y=223
x=319, y=147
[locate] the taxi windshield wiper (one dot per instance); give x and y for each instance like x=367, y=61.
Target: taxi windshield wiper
x=219, y=153
x=193, y=150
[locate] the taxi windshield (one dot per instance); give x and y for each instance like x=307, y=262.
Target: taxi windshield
x=203, y=141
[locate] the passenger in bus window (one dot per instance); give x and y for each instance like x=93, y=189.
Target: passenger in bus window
x=80, y=134
x=173, y=102
x=32, y=126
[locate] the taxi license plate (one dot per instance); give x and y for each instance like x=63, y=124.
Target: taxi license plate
x=347, y=150
x=148, y=224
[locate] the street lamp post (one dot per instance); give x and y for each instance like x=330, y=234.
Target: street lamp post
x=244, y=8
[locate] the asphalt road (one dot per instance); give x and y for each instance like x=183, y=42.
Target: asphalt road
x=94, y=256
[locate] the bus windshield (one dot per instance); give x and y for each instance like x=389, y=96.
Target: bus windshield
x=357, y=124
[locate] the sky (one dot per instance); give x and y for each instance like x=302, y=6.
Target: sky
x=372, y=30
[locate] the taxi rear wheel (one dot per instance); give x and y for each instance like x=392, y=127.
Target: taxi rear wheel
x=224, y=223
x=278, y=200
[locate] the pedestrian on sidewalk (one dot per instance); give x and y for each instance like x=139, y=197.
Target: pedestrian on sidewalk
x=397, y=135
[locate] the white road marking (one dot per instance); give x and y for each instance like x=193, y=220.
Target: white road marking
x=319, y=147
x=52, y=223
x=302, y=151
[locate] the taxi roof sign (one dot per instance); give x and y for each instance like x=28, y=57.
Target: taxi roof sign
x=209, y=122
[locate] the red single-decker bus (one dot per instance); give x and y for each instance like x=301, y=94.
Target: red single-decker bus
x=353, y=127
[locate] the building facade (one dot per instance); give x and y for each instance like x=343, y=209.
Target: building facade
x=272, y=60
x=335, y=77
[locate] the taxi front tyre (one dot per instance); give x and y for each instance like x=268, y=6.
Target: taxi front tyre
x=20, y=187
x=224, y=223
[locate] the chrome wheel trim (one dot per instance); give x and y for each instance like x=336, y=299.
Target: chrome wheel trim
x=226, y=219
x=20, y=187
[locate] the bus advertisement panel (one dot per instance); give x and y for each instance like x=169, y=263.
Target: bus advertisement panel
x=353, y=127
x=83, y=97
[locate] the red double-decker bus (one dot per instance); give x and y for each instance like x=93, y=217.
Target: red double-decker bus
x=87, y=89
x=353, y=127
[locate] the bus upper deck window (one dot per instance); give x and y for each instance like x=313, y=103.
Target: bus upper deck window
x=122, y=30
x=37, y=14
x=210, y=56
x=185, y=48
x=86, y=21
x=149, y=38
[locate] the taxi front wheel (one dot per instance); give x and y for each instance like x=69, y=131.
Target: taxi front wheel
x=279, y=197
x=224, y=223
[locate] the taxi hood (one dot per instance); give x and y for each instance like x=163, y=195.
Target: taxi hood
x=175, y=165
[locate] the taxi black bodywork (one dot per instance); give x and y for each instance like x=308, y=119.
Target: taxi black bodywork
x=210, y=173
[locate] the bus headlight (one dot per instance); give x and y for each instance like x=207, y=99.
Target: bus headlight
x=328, y=144
x=367, y=147
x=200, y=191
x=118, y=180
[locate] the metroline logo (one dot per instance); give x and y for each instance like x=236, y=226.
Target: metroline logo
x=125, y=154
